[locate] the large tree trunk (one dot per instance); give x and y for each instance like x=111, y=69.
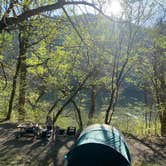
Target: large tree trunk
x=22, y=89
x=23, y=44
x=163, y=100
x=162, y=94
x=159, y=85
x=163, y=122
x=5, y=22
x=21, y=68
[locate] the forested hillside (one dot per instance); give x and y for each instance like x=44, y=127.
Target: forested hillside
x=79, y=64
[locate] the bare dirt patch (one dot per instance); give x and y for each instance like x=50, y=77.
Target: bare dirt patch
x=32, y=152
x=147, y=151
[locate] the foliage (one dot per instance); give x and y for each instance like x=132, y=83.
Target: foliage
x=61, y=52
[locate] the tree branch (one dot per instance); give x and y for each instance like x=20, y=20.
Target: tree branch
x=37, y=41
x=71, y=22
x=77, y=110
x=4, y=23
x=4, y=75
x=38, y=64
x=71, y=97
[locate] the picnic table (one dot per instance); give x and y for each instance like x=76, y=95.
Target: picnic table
x=28, y=129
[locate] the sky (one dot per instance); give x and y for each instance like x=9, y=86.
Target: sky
x=115, y=9
x=151, y=9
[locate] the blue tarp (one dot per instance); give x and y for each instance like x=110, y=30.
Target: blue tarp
x=99, y=145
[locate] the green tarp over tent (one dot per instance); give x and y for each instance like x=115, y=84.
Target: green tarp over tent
x=99, y=145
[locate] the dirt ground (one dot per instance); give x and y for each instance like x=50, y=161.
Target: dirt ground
x=29, y=152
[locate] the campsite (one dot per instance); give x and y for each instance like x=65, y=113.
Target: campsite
x=82, y=82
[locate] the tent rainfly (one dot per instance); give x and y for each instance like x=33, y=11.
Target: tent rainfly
x=99, y=145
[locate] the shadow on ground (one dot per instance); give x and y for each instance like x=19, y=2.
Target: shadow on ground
x=145, y=151
x=32, y=152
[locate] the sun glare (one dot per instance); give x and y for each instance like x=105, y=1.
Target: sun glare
x=113, y=8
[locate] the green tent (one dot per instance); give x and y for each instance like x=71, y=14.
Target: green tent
x=99, y=145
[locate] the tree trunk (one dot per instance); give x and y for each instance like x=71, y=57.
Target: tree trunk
x=163, y=102
x=93, y=102
x=79, y=115
x=13, y=90
x=159, y=83
x=23, y=44
x=12, y=20
x=107, y=116
x=22, y=89
x=163, y=121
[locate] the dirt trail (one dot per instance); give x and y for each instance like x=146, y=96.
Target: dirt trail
x=29, y=152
